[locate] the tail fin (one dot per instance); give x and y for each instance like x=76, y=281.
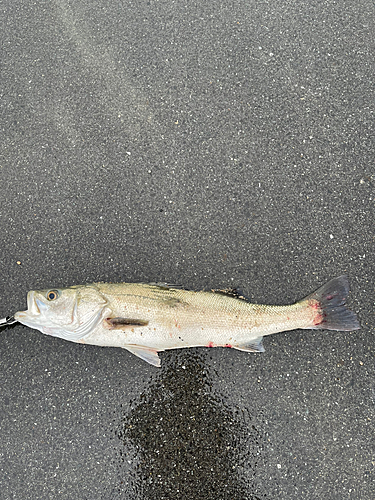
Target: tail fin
x=329, y=301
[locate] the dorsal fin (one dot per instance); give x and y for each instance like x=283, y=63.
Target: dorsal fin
x=166, y=286
x=230, y=292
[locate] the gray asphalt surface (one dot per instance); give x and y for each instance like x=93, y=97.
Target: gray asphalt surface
x=209, y=144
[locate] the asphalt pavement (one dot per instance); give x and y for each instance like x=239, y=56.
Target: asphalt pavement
x=210, y=144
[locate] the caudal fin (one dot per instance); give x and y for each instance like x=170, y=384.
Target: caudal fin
x=331, y=311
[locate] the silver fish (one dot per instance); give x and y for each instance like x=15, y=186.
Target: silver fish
x=148, y=318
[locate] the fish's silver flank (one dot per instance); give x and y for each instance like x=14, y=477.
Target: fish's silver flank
x=148, y=318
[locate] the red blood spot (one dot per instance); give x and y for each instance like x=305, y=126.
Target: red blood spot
x=318, y=319
x=210, y=344
x=315, y=305
x=228, y=345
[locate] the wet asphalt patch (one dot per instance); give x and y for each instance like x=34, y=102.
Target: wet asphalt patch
x=187, y=440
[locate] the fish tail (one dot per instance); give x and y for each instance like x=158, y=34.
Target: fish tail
x=330, y=308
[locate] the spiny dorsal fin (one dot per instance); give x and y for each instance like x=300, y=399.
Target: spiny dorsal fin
x=231, y=292
x=166, y=286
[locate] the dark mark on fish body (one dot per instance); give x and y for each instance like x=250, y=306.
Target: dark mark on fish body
x=187, y=441
x=120, y=323
x=172, y=302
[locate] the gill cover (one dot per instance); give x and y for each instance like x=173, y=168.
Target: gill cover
x=69, y=313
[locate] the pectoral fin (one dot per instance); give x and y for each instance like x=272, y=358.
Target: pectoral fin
x=123, y=323
x=145, y=353
x=253, y=345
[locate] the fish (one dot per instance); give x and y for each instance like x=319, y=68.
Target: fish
x=150, y=318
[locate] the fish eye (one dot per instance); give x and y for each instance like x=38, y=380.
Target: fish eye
x=52, y=295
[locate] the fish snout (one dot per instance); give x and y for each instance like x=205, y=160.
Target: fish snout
x=34, y=305
x=32, y=308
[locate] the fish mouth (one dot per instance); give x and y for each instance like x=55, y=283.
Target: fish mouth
x=32, y=307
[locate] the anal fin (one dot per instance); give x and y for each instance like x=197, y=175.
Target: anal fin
x=146, y=353
x=253, y=345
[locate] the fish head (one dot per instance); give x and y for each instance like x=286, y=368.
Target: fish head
x=70, y=313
